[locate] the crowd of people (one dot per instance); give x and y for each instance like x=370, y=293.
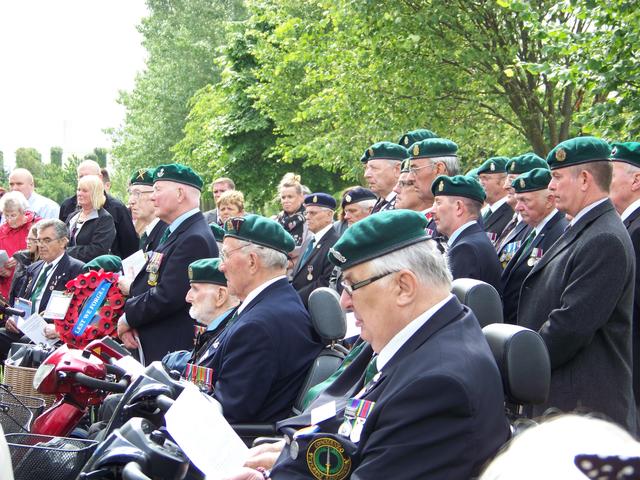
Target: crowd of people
x=419, y=394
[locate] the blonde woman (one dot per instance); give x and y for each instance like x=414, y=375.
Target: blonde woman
x=92, y=229
x=230, y=204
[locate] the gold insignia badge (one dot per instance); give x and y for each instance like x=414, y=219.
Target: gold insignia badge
x=406, y=140
x=522, y=183
x=347, y=198
x=492, y=166
x=561, y=154
x=441, y=186
x=141, y=173
x=190, y=273
x=371, y=152
x=327, y=459
x=416, y=150
x=513, y=166
x=160, y=173
x=314, y=199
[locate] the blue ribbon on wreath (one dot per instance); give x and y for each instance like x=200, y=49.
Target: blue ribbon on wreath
x=91, y=307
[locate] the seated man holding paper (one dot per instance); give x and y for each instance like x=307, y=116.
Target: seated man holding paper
x=42, y=278
x=435, y=407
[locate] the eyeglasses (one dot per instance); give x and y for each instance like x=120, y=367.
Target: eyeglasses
x=350, y=288
x=415, y=169
x=137, y=193
x=403, y=184
x=45, y=241
x=226, y=255
x=32, y=240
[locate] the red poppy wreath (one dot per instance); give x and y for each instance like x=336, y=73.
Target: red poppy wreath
x=94, y=310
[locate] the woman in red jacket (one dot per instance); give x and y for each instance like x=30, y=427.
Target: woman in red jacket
x=13, y=234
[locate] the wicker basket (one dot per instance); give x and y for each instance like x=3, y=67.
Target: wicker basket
x=20, y=379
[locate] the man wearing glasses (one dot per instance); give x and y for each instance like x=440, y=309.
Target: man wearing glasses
x=52, y=272
x=435, y=407
x=148, y=226
x=156, y=312
x=264, y=354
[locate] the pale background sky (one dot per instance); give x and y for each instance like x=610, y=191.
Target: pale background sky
x=62, y=63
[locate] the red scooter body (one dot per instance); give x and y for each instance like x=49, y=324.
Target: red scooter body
x=77, y=377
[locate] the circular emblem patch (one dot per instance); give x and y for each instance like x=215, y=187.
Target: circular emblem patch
x=326, y=459
x=561, y=155
x=347, y=198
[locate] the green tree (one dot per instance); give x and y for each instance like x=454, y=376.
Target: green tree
x=4, y=176
x=101, y=155
x=31, y=159
x=59, y=182
x=55, y=156
x=181, y=38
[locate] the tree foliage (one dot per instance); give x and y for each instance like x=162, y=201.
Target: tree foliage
x=55, y=156
x=31, y=159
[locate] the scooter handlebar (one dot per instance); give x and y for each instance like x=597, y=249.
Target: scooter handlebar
x=98, y=384
x=133, y=471
x=12, y=311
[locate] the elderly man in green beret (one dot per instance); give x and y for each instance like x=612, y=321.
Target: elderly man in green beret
x=457, y=207
x=408, y=195
x=497, y=214
x=148, y=226
x=535, y=203
x=625, y=195
x=579, y=295
x=156, y=315
x=435, y=407
x=381, y=170
x=516, y=230
x=263, y=357
x=211, y=305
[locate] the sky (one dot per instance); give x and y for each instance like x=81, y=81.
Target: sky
x=62, y=63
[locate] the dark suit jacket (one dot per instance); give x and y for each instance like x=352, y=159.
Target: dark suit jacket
x=518, y=268
x=439, y=408
x=472, y=256
x=94, y=238
x=126, y=240
x=67, y=269
x=317, y=265
x=160, y=313
x=579, y=296
x=263, y=357
x=518, y=234
x=153, y=240
x=498, y=220
x=632, y=222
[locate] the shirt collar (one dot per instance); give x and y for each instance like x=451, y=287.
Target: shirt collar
x=256, y=291
x=55, y=261
x=400, y=338
x=149, y=228
x=318, y=236
x=630, y=209
x=457, y=233
x=390, y=196
x=586, y=210
x=178, y=221
x=495, y=206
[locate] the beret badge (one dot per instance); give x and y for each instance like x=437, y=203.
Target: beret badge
x=492, y=167
x=190, y=273
x=406, y=140
x=416, y=149
x=347, y=198
x=160, y=173
x=513, y=166
x=522, y=183
x=337, y=255
x=614, y=150
x=371, y=152
x=561, y=155
x=441, y=186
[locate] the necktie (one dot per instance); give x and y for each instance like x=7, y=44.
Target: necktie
x=143, y=239
x=165, y=235
x=40, y=283
x=486, y=215
x=308, y=250
x=526, y=247
x=371, y=370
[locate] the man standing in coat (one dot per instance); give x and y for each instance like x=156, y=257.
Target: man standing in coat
x=579, y=296
x=156, y=310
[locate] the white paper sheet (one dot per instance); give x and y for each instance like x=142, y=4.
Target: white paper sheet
x=132, y=265
x=196, y=424
x=58, y=305
x=33, y=327
x=352, y=330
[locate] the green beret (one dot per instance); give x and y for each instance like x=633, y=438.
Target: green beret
x=384, y=151
x=207, y=270
x=377, y=235
x=577, y=151
x=143, y=176
x=176, y=172
x=628, y=152
x=414, y=136
x=261, y=231
x=218, y=231
x=525, y=163
x=458, y=186
x=108, y=263
x=536, y=179
x=494, y=165
x=433, y=147
x=473, y=173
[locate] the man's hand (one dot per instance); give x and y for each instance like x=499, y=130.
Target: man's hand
x=5, y=272
x=11, y=263
x=124, y=285
x=50, y=332
x=11, y=326
x=127, y=334
x=264, y=455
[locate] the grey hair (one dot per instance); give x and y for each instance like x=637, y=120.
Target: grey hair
x=452, y=164
x=271, y=259
x=58, y=226
x=422, y=258
x=369, y=203
x=14, y=201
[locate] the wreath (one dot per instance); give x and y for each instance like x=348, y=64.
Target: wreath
x=95, y=307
